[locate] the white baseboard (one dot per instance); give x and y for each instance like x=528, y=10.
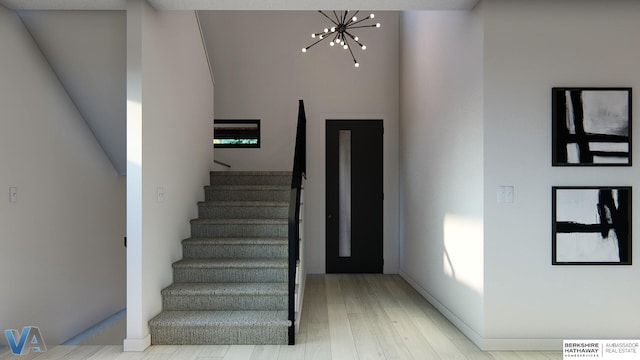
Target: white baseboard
x=455, y=320
x=522, y=345
x=485, y=344
x=137, y=344
x=97, y=329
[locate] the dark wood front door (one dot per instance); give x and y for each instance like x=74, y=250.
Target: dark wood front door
x=354, y=233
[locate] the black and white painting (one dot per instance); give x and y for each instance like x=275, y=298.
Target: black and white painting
x=591, y=126
x=591, y=225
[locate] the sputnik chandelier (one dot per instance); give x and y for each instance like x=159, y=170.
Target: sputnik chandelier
x=340, y=32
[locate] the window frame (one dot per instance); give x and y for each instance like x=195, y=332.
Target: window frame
x=257, y=136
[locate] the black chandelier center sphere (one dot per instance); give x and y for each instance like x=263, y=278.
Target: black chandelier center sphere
x=341, y=31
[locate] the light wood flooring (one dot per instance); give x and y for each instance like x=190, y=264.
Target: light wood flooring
x=350, y=317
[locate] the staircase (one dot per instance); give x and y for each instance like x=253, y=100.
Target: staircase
x=231, y=285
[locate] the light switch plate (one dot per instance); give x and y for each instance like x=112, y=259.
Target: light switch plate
x=505, y=194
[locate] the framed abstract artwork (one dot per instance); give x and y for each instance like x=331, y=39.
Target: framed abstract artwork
x=591, y=225
x=591, y=126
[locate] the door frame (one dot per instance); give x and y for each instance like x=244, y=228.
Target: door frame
x=357, y=262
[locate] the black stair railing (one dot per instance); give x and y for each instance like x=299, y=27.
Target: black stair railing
x=299, y=171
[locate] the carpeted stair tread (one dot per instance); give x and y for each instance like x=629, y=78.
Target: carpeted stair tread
x=243, y=203
x=231, y=263
x=243, y=210
x=240, y=187
x=239, y=221
x=218, y=318
x=248, y=193
x=250, y=178
x=236, y=241
x=226, y=289
x=235, y=247
x=220, y=327
x=251, y=173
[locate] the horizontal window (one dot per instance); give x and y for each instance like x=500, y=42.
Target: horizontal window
x=236, y=133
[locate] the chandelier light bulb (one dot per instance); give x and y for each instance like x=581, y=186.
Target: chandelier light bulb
x=326, y=30
x=364, y=47
x=378, y=25
x=304, y=50
x=345, y=47
x=354, y=19
x=333, y=29
x=332, y=43
x=357, y=65
x=356, y=38
x=313, y=36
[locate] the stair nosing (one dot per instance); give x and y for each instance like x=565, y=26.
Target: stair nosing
x=251, y=173
x=226, y=289
x=235, y=241
x=244, y=203
x=195, y=318
x=242, y=221
x=278, y=187
x=234, y=263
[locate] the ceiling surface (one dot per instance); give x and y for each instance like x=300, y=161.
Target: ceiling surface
x=243, y=4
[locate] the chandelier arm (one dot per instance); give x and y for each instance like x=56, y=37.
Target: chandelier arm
x=312, y=45
x=337, y=18
x=359, y=21
x=344, y=17
x=325, y=15
x=354, y=38
x=352, y=16
x=350, y=51
x=363, y=26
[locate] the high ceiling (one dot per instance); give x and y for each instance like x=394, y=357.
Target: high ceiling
x=243, y=4
x=87, y=49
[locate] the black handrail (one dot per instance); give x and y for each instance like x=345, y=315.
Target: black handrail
x=221, y=163
x=299, y=170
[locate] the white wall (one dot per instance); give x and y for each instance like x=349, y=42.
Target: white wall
x=87, y=50
x=261, y=74
x=441, y=160
x=170, y=112
x=531, y=47
x=62, y=256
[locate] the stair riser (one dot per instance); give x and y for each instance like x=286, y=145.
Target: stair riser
x=236, y=275
x=234, y=251
x=243, y=212
x=213, y=194
x=220, y=334
x=211, y=302
x=250, y=179
x=233, y=230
